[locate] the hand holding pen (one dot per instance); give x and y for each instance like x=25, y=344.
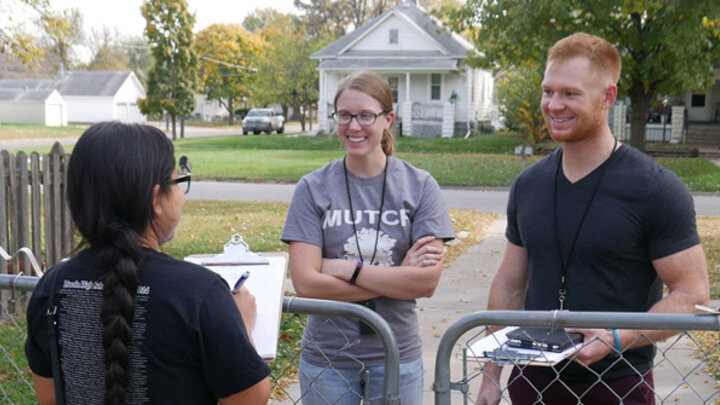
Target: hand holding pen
x=240, y=281
x=245, y=302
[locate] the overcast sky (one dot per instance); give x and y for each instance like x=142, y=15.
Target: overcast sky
x=125, y=14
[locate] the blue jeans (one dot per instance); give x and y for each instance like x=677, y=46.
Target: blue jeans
x=345, y=386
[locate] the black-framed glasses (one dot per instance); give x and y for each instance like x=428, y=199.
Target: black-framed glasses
x=184, y=177
x=365, y=119
x=183, y=181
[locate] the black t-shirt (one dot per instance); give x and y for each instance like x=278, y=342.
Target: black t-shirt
x=640, y=212
x=189, y=342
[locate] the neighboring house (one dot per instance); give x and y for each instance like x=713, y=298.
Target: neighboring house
x=704, y=105
x=33, y=106
x=95, y=96
x=92, y=96
x=434, y=90
x=208, y=110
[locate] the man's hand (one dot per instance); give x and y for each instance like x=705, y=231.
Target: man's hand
x=597, y=343
x=423, y=253
x=489, y=392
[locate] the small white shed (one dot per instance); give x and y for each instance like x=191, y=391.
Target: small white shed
x=36, y=106
x=95, y=96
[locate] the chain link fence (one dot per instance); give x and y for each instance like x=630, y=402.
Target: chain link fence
x=16, y=382
x=686, y=367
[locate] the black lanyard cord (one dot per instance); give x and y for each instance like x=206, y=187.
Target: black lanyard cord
x=562, y=293
x=352, y=212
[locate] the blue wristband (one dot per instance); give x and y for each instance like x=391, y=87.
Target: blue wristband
x=618, y=349
x=355, y=274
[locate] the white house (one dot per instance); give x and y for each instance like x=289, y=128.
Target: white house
x=33, y=106
x=208, y=110
x=95, y=96
x=704, y=104
x=92, y=96
x=434, y=90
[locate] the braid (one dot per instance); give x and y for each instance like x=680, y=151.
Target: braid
x=120, y=282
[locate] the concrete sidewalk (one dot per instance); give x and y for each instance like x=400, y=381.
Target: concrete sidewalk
x=464, y=289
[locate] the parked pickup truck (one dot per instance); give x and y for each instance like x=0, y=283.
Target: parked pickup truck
x=263, y=119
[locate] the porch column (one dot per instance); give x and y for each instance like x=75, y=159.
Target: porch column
x=407, y=109
x=618, y=124
x=322, y=104
x=448, y=121
x=678, y=123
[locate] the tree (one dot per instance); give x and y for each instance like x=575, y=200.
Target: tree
x=63, y=30
x=228, y=60
x=140, y=59
x=664, y=45
x=173, y=79
x=107, y=54
x=518, y=91
x=287, y=75
x=337, y=17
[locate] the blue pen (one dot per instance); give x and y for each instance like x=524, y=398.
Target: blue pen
x=240, y=281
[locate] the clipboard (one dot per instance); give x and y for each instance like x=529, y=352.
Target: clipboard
x=494, y=348
x=266, y=283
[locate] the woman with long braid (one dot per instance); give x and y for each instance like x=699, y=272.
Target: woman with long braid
x=136, y=326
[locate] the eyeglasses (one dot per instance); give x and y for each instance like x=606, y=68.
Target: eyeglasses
x=183, y=181
x=184, y=177
x=365, y=119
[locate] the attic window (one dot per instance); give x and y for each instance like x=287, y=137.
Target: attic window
x=394, y=36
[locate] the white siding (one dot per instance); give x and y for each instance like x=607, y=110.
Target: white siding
x=125, y=107
x=456, y=81
x=13, y=112
x=55, y=110
x=409, y=39
x=90, y=109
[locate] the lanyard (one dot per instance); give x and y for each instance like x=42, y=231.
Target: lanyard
x=352, y=212
x=562, y=293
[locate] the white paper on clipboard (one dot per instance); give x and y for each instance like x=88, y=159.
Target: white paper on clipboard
x=266, y=282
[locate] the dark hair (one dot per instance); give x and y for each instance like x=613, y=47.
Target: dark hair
x=376, y=87
x=111, y=175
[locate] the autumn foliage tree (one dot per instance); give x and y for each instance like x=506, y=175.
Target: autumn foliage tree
x=228, y=62
x=518, y=92
x=174, y=76
x=664, y=45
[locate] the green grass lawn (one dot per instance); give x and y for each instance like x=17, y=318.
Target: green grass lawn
x=482, y=160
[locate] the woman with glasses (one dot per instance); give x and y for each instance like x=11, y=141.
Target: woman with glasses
x=368, y=228
x=134, y=325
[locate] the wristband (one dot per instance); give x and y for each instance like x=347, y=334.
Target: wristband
x=618, y=349
x=354, y=277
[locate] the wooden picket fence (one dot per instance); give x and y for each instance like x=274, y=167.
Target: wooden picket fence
x=33, y=193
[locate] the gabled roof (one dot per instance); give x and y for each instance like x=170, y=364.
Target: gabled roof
x=25, y=95
x=90, y=83
x=75, y=83
x=452, y=44
x=25, y=84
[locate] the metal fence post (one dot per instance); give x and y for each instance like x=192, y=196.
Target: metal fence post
x=391, y=387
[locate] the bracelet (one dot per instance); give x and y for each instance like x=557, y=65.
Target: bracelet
x=618, y=349
x=354, y=277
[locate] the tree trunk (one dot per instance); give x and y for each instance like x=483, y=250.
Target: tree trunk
x=230, y=110
x=639, y=104
x=172, y=118
x=285, y=112
x=182, y=127
x=310, y=120
x=302, y=118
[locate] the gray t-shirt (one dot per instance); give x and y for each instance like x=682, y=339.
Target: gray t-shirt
x=319, y=214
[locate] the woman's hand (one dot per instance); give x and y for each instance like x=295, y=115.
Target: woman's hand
x=248, y=309
x=423, y=253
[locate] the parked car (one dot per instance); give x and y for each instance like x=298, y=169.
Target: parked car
x=263, y=119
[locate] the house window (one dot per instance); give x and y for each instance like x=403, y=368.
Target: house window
x=393, y=83
x=435, y=80
x=698, y=100
x=394, y=36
